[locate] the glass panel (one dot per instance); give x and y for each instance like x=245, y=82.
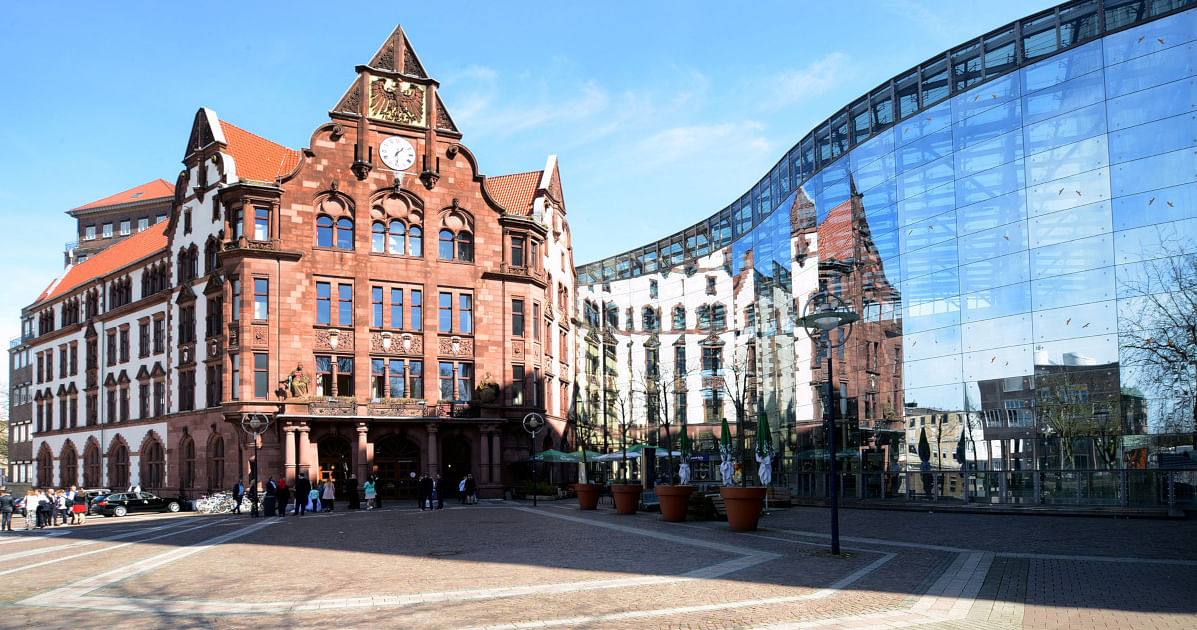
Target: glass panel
x=1011, y=330
x=1039, y=36
x=998, y=363
x=990, y=123
x=1074, y=256
x=1154, y=241
x=985, y=96
x=928, y=372
x=1067, y=160
x=991, y=213
x=907, y=91
x=1077, y=125
x=1158, y=171
x=1076, y=288
x=1153, y=104
x=1155, y=206
x=928, y=232
x=926, y=149
x=998, y=241
x=1063, y=97
x=926, y=123
x=1001, y=301
x=1062, y=67
x=1078, y=23
x=989, y=184
x=1146, y=39
x=934, y=82
x=928, y=177
x=882, y=109
x=931, y=343
x=929, y=259
x=1153, y=138
x=1096, y=318
x=990, y=154
x=1078, y=190
x=884, y=194
x=1141, y=73
x=999, y=59
x=1068, y=225
x=966, y=67
x=996, y=271
x=923, y=207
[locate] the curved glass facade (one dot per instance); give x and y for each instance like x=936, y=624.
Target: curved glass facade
x=1021, y=245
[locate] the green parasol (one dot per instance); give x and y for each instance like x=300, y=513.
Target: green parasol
x=684, y=444
x=764, y=438
x=725, y=441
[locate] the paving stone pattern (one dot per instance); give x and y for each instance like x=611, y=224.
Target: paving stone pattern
x=508, y=565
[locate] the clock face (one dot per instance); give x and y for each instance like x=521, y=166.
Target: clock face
x=397, y=153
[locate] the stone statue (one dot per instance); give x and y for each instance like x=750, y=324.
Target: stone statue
x=298, y=382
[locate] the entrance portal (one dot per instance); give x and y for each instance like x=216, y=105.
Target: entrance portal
x=335, y=461
x=396, y=462
x=455, y=462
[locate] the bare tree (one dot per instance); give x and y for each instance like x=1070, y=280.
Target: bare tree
x=1158, y=334
x=624, y=402
x=660, y=389
x=739, y=381
x=1070, y=406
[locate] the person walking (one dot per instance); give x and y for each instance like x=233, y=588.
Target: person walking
x=351, y=490
x=30, y=510
x=283, y=495
x=70, y=502
x=44, y=510
x=79, y=508
x=65, y=517
x=471, y=489
x=238, y=493
x=438, y=489
x=461, y=493
x=270, y=504
x=302, y=488
x=424, y=487
x=369, y=489
x=330, y=493
x=314, y=499
x=7, y=505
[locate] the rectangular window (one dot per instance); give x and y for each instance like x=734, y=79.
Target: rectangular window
x=465, y=381
x=323, y=303
x=110, y=349
x=261, y=224
x=62, y=362
x=536, y=321
x=344, y=376
x=517, y=385
x=89, y=233
x=159, y=335
x=378, y=378
x=517, y=251
x=235, y=306
x=126, y=227
x=159, y=398
x=213, y=386
x=187, y=220
x=143, y=400
x=345, y=304
x=143, y=223
x=110, y=400
x=679, y=360
x=236, y=224
x=235, y=377
x=107, y=230
x=445, y=323
x=397, y=373
x=712, y=361
x=261, y=298
x=416, y=322
x=162, y=217
x=517, y=318
x=261, y=375
x=124, y=344
x=397, y=308
x=143, y=339
x=446, y=380
x=74, y=358
x=187, y=390
x=465, y=314
x=415, y=379
x=376, y=307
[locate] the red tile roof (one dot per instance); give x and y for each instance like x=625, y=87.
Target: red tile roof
x=157, y=189
x=256, y=157
x=140, y=245
x=515, y=192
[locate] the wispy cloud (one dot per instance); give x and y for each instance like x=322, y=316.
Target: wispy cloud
x=817, y=78
x=703, y=143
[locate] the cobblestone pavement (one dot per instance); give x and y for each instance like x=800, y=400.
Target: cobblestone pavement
x=509, y=565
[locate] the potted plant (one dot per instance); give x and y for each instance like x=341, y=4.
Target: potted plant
x=674, y=499
x=626, y=495
x=743, y=503
x=588, y=493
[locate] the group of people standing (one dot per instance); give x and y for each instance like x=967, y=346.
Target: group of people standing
x=320, y=496
x=45, y=508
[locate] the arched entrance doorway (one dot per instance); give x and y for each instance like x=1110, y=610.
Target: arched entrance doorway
x=455, y=462
x=335, y=461
x=396, y=460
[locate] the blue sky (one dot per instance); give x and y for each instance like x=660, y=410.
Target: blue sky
x=660, y=112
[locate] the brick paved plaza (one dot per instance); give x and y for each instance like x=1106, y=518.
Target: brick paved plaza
x=508, y=565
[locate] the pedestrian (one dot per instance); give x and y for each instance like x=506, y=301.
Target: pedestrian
x=330, y=493
x=314, y=499
x=283, y=497
x=423, y=491
x=70, y=502
x=7, y=505
x=79, y=508
x=253, y=500
x=438, y=489
x=270, y=502
x=461, y=493
x=238, y=493
x=369, y=489
x=44, y=510
x=30, y=510
x=65, y=516
x=471, y=489
x=351, y=490
x=302, y=488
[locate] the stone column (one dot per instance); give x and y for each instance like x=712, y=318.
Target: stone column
x=360, y=464
x=289, y=462
x=496, y=465
x=432, y=449
x=484, y=452
x=305, y=450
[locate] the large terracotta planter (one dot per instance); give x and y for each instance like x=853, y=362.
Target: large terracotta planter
x=627, y=497
x=743, y=506
x=588, y=495
x=675, y=502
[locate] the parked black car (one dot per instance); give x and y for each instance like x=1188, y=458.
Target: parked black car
x=93, y=495
x=121, y=503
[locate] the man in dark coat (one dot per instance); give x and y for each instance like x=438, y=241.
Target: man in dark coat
x=425, y=489
x=303, y=488
x=351, y=490
x=439, y=489
x=7, y=505
x=238, y=493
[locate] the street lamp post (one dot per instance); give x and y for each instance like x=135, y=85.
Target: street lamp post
x=255, y=424
x=824, y=313
x=532, y=424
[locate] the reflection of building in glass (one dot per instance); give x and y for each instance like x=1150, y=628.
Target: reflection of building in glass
x=999, y=215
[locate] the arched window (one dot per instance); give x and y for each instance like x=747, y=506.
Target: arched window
x=324, y=232
x=344, y=233
x=91, y=466
x=153, y=466
x=45, y=468
x=118, y=466
x=378, y=237
x=216, y=463
x=648, y=318
x=446, y=249
x=415, y=241
x=68, y=466
x=395, y=237
x=187, y=470
x=465, y=246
